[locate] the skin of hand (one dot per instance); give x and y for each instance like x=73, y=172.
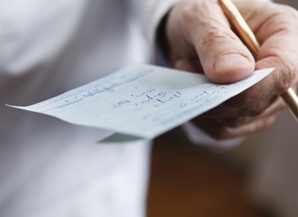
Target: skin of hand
x=200, y=39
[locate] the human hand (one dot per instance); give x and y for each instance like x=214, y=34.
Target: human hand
x=200, y=40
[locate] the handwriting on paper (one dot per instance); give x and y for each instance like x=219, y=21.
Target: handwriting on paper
x=142, y=100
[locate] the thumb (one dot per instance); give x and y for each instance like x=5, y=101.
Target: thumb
x=223, y=56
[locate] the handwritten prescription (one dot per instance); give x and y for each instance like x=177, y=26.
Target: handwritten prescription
x=142, y=100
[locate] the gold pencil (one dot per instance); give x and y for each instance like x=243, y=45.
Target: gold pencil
x=248, y=37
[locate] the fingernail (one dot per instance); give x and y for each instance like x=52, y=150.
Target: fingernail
x=231, y=63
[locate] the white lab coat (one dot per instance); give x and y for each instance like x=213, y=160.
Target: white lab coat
x=48, y=167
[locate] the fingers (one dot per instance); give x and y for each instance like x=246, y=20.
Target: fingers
x=227, y=112
x=243, y=120
x=198, y=32
x=223, y=56
x=226, y=128
x=279, y=49
x=276, y=28
x=221, y=132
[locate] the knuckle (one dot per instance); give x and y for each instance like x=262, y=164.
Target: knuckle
x=287, y=19
x=191, y=10
x=200, y=13
x=283, y=18
x=195, y=8
x=284, y=11
x=290, y=11
x=215, y=34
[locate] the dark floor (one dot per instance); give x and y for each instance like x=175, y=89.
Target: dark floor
x=189, y=181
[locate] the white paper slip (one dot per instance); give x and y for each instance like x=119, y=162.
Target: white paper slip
x=142, y=100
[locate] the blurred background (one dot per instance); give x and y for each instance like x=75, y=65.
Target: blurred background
x=258, y=178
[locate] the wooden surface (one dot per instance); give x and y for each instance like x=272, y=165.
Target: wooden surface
x=189, y=181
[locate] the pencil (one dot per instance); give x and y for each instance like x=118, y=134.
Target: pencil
x=246, y=34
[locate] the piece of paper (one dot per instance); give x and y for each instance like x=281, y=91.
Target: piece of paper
x=142, y=100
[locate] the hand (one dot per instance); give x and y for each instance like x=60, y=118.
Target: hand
x=200, y=40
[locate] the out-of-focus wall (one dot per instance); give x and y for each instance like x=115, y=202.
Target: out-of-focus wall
x=273, y=155
x=293, y=3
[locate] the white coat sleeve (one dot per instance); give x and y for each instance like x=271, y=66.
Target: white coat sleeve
x=34, y=31
x=150, y=14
